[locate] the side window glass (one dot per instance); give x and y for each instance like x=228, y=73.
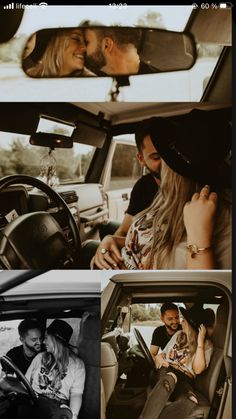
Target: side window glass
x=125, y=169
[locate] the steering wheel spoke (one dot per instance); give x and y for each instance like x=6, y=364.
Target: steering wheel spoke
x=9, y=384
x=38, y=240
x=144, y=348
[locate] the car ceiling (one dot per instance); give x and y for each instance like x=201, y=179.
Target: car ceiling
x=22, y=118
x=52, y=307
x=122, y=112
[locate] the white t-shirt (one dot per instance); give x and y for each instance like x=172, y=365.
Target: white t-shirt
x=41, y=379
x=177, y=352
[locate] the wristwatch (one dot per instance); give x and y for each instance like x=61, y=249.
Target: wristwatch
x=195, y=250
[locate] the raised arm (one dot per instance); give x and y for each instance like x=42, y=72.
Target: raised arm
x=199, y=362
x=199, y=217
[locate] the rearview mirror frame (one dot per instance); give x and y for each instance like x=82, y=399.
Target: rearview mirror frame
x=157, y=50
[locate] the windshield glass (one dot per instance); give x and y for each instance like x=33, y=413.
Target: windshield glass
x=17, y=156
x=169, y=17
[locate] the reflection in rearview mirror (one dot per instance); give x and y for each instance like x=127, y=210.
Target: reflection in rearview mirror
x=106, y=51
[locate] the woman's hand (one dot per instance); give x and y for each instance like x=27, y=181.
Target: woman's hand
x=107, y=255
x=201, y=336
x=199, y=214
x=160, y=361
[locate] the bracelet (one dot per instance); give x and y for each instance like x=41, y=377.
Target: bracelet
x=195, y=250
x=200, y=347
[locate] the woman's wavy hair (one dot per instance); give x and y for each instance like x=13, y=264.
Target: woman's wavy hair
x=167, y=213
x=60, y=357
x=51, y=63
x=188, y=339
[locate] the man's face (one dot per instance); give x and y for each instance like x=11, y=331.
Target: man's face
x=150, y=158
x=32, y=340
x=171, y=320
x=94, y=55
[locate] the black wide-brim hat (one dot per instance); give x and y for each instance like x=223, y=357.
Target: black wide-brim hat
x=61, y=330
x=196, y=145
x=195, y=316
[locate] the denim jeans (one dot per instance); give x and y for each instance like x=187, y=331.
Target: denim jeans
x=46, y=409
x=182, y=390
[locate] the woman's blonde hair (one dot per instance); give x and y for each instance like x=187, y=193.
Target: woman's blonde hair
x=188, y=339
x=51, y=63
x=57, y=361
x=167, y=214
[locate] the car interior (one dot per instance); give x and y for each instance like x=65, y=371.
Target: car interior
x=53, y=204
x=128, y=371
x=82, y=312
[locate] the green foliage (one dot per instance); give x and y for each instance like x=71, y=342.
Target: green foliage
x=144, y=312
x=23, y=158
x=151, y=19
x=124, y=163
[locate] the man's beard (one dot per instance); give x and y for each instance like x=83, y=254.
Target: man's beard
x=156, y=175
x=32, y=349
x=96, y=60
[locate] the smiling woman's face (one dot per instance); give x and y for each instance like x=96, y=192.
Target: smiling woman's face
x=74, y=53
x=48, y=343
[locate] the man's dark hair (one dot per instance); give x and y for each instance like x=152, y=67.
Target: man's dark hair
x=27, y=325
x=120, y=35
x=143, y=129
x=168, y=306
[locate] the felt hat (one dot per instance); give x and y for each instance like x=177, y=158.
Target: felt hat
x=196, y=145
x=195, y=316
x=61, y=330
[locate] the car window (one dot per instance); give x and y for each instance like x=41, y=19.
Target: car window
x=9, y=335
x=125, y=169
x=19, y=157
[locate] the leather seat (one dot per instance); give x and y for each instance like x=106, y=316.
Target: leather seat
x=206, y=382
x=109, y=369
x=89, y=352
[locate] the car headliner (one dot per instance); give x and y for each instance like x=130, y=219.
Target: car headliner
x=58, y=283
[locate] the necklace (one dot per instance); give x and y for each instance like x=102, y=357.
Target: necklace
x=28, y=358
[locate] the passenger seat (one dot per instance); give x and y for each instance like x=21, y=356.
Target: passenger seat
x=89, y=352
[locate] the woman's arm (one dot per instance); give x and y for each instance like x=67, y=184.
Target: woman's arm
x=199, y=362
x=75, y=404
x=111, y=259
x=199, y=216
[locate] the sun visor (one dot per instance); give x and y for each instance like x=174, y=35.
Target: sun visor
x=86, y=134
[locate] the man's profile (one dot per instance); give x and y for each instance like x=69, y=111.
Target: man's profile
x=30, y=333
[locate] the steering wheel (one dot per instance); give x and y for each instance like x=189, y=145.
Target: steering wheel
x=9, y=383
x=36, y=240
x=144, y=348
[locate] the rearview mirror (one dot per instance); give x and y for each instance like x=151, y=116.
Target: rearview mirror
x=51, y=140
x=106, y=51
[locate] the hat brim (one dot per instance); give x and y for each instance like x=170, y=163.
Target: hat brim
x=185, y=314
x=209, y=142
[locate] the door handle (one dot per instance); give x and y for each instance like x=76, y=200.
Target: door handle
x=125, y=197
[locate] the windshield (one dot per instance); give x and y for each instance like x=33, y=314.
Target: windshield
x=17, y=156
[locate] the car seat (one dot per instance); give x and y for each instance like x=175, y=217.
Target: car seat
x=89, y=352
x=109, y=369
